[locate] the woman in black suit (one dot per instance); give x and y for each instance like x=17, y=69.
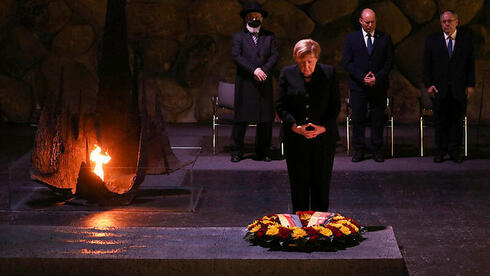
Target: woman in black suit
x=308, y=103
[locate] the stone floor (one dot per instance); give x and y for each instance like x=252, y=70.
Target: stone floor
x=439, y=212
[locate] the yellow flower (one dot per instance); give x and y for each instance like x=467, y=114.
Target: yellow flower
x=326, y=232
x=353, y=226
x=338, y=217
x=345, y=230
x=305, y=216
x=336, y=225
x=253, y=224
x=298, y=233
x=346, y=222
x=255, y=228
x=272, y=231
x=267, y=222
x=323, y=230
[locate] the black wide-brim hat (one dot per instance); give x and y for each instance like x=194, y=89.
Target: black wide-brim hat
x=253, y=7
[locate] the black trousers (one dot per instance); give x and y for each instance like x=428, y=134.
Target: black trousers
x=263, y=137
x=309, y=165
x=448, y=124
x=360, y=100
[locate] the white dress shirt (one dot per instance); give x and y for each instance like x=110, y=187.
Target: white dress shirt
x=364, y=34
x=453, y=36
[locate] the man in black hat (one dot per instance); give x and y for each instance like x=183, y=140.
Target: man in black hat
x=254, y=52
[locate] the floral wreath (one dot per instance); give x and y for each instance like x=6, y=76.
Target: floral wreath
x=337, y=232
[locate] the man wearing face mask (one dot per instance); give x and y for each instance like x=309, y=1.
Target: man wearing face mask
x=254, y=52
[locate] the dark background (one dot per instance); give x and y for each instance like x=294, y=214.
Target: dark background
x=186, y=47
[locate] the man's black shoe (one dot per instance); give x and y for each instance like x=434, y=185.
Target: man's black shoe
x=235, y=158
x=457, y=158
x=378, y=157
x=260, y=157
x=358, y=156
x=438, y=158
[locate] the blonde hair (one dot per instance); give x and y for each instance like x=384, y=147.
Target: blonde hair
x=305, y=47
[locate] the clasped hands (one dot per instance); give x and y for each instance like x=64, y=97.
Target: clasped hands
x=259, y=75
x=369, y=79
x=308, y=134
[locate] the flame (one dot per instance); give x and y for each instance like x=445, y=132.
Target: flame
x=99, y=160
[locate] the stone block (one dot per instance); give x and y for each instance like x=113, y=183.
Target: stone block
x=326, y=11
x=183, y=251
x=287, y=21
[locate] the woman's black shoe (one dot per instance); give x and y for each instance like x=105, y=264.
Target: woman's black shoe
x=438, y=158
x=235, y=158
x=358, y=156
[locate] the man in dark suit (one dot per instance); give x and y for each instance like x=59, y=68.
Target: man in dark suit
x=254, y=52
x=367, y=57
x=449, y=76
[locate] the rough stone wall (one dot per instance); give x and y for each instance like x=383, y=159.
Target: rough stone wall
x=186, y=46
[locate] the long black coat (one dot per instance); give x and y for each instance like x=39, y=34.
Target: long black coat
x=309, y=161
x=318, y=102
x=442, y=71
x=358, y=62
x=254, y=99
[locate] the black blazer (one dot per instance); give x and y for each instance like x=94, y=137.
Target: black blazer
x=457, y=72
x=254, y=99
x=317, y=102
x=358, y=62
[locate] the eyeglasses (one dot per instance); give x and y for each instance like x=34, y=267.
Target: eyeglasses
x=449, y=21
x=248, y=18
x=368, y=22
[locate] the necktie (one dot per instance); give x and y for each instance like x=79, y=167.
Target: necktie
x=450, y=46
x=369, y=44
x=255, y=37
